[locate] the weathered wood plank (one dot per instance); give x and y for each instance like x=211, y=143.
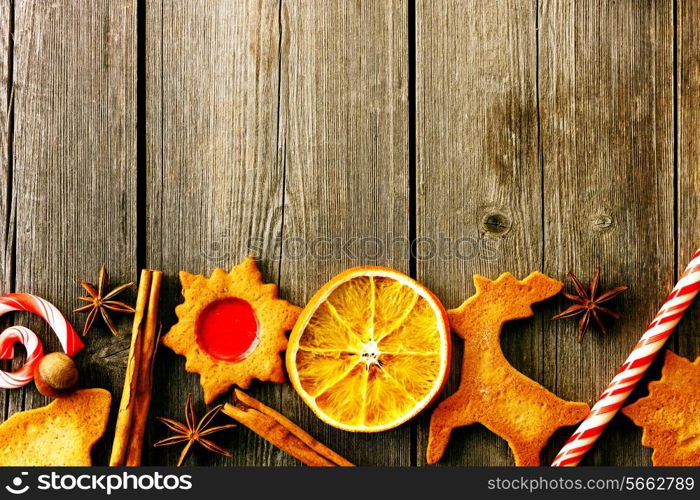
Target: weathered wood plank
x=478, y=174
x=7, y=228
x=213, y=175
x=344, y=140
x=606, y=72
x=74, y=176
x=244, y=94
x=6, y=148
x=688, y=182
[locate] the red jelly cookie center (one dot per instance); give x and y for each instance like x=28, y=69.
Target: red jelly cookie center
x=227, y=329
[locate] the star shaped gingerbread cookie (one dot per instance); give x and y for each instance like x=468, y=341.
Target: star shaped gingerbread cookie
x=231, y=328
x=670, y=414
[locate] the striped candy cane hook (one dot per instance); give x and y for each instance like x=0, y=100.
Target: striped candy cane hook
x=35, y=351
x=637, y=363
x=67, y=336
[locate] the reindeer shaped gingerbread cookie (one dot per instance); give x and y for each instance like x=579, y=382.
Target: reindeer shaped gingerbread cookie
x=491, y=391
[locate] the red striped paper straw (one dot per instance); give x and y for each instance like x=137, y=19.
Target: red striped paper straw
x=626, y=378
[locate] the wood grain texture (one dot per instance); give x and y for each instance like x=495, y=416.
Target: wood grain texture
x=213, y=176
x=344, y=140
x=6, y=230
x=687, y=339
x=7, y=227
x=74, y=175
x=478, y=175
x=544, y=140
x=607, y=142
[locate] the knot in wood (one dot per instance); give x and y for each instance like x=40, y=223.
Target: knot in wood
x=601, y=222
x=496, y=223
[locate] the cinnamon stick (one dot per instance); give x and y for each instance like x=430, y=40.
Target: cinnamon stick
x=144, y=383
x=124, y=417
x=282, y=432
x=138, y=381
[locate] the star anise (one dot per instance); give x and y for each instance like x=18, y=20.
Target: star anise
x=192, y=432
x=588, y=303
x=101, y=301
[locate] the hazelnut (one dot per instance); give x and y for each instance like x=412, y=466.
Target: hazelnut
x=55, y=375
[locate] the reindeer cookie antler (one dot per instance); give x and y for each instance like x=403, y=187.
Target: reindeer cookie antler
x=491, y=391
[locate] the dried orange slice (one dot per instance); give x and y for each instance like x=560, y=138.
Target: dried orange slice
x=370, y=350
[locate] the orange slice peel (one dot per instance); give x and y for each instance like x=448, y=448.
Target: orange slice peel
x=370, y=351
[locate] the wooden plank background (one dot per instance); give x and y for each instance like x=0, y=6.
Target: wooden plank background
x=7, y=231
x=343, y=140
x=606, y=114
x=443, y=138
x=214, y=177
x=477, y=172
x=73, y=191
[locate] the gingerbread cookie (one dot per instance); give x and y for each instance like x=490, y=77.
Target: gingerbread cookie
x=58, y=435
x=670, y=414
x=231, y=328
x=491, y=391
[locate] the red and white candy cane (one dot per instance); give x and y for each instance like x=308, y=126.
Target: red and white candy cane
x=66, y=334
x=35, y=351
x=633, y=368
